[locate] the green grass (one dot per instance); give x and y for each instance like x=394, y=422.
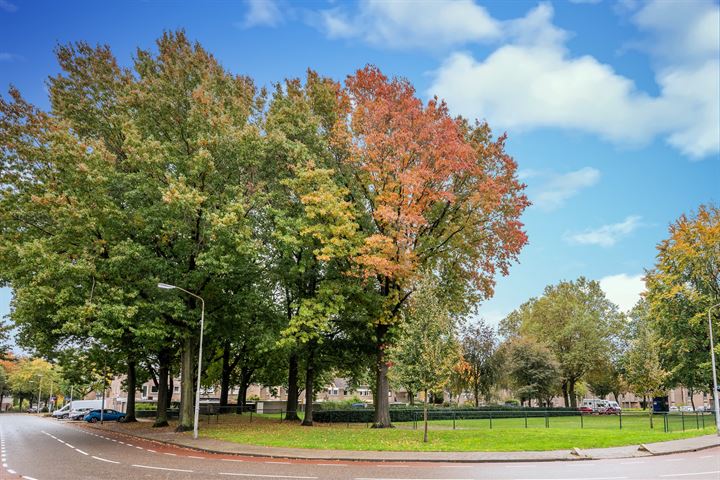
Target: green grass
x=470, y=435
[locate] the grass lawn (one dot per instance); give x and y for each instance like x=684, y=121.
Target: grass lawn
x=471, y=435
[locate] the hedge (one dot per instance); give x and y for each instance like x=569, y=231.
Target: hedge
x=366, y=415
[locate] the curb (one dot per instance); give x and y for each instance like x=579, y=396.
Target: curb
x=572, y=456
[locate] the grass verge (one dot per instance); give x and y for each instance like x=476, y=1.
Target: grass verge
x=505, y=436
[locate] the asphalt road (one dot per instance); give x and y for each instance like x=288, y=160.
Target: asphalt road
x=45, y=449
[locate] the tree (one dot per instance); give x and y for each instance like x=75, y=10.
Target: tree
x=577, y=322
x=427, y=349
x=435, y=195
x=682, y=286
x=479, y=344
x=643, y=372
x=127, y=182
x=31, y=378
x=533, y=370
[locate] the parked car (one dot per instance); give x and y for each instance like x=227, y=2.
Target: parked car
x=78, y=414
x=76, y=406
x=673, y=408
x=108, y=414
x=686, y=408
x=32, y=410
x=585, y=409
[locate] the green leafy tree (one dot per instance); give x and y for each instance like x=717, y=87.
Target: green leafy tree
x=576, y=322
x=533, y=370
x=643, y=372
x=34, y=379
x=427, y=349
x=480, y=345
x=681, y=288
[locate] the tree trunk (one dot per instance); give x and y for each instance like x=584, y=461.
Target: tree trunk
x=411, y=398
x=161, y=419
x=425, y=419
x=171, y=389
x=382, y=388
x=691, y=393
x=131, y=388
x=187, y=385
x=244, y=384
x=309, y=388
x=292, y=391
x=571, y=394
x=225, y=376
x=566, y=400
x=476, y=392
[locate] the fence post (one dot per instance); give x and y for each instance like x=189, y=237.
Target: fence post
x=666, y=423
x=525, y=418
x=682, y=418
x=620, y=417
x=251, y=412
x=697, y=421
x=490, y=420
x=702, y=414
x=453, y=420
x=581, y=421
x=547, y=420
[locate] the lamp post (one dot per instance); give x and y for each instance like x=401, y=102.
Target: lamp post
x=714, y=373
x=202, y=327
x=39, y=392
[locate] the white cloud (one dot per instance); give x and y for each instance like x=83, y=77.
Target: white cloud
x=606, y=235
x=7, y=6
x=430, y=25
x=261, y=13
x=560, y=188
x=534, y=82
x=8, y=57
x=623, y=290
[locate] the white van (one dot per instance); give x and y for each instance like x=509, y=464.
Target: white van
x=75, y=406
x=594, y=405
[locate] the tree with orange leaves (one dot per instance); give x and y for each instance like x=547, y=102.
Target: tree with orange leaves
x=438, y=195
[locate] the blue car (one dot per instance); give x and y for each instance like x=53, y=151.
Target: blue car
x=109, y=415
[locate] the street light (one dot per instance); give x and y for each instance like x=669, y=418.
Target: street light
x=39, y=392
x=714, y=373
x=166, y=286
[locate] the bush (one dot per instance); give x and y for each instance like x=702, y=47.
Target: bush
x=411, y=414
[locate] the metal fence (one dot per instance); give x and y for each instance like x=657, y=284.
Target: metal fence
x=465, y=419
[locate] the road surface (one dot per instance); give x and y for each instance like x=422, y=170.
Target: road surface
x=35, y=448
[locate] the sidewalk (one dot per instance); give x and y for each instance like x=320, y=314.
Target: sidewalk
x=229, y=448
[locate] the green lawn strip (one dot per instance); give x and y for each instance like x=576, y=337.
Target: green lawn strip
x=502, y=438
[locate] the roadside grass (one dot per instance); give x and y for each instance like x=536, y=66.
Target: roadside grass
x=470, y=435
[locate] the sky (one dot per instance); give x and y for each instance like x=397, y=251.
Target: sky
x=611, y=107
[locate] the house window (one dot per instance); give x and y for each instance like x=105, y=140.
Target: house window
x=154, y=389
x=177, y=388
x=144, y=391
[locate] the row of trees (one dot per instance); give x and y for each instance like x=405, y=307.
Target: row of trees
x=573, y=339
x=305, y=217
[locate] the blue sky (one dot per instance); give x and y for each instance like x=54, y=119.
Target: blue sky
x=612, y=108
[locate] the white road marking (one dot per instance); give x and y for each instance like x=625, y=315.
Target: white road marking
x=279, y=463
x=265, y=476
x=172, y=454
x=153, y=451
x=28, y=478
x=373, y=478
x=69, y=445
x=104, y=460
x=139, y=448
x=231, y=460
x=330, y=464
x=11, y=472
x=689, y=474
x=674, y=459
x=163, y=468
x=708, y=456
x=193, y=456
x=78, y=450
x=5, y=465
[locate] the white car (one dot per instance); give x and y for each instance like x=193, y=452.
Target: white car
x=686, y=408
x=673, y=408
